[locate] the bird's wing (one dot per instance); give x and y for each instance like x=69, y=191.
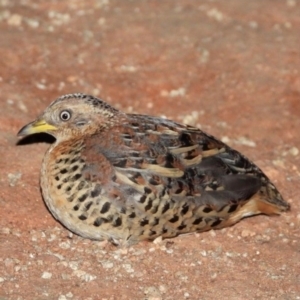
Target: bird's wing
x=152, y=155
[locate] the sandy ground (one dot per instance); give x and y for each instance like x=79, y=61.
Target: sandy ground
x=231, y=67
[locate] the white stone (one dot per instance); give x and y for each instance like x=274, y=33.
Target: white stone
x=46, y=275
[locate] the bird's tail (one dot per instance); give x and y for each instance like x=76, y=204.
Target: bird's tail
x=266, y=201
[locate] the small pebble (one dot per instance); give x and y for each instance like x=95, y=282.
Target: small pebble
x=128, y=268
x=46, y=275
x=176, y=93
x=107, y=264
x=13, y=178
x=294, y=151
x=215, y=14
x=246, y=233
x=291, y=3
x=14, y=20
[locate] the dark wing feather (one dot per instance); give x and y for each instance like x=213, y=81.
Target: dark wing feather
x=156, y=153
x=170, y=179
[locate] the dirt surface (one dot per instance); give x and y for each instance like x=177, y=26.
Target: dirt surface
x=231, y=67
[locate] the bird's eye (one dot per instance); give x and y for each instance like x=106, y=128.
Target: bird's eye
x=65, y=115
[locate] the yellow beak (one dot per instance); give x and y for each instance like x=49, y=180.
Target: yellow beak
x=36, y=127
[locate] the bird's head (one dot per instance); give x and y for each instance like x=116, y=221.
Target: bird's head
x=72, y=115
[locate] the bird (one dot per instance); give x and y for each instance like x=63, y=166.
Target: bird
x=126, y=178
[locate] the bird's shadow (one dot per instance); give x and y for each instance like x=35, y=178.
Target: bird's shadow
x=36, y=138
